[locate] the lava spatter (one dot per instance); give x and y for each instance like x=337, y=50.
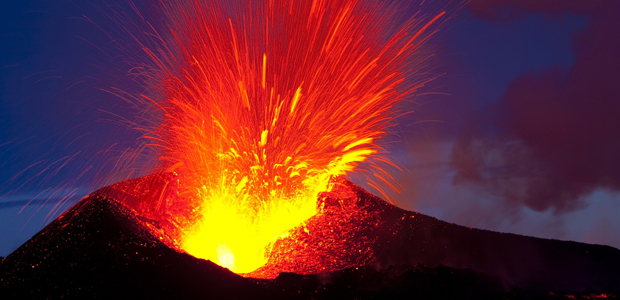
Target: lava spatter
x=264, y=102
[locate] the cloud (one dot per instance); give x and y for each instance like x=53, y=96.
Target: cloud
x=557, y=134
x=44, y=197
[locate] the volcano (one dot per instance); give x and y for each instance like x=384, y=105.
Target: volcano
x=113, y=243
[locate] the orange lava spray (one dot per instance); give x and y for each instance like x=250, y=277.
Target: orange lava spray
x=266, y=101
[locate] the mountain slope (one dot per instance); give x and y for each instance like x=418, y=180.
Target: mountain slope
x=113, y=244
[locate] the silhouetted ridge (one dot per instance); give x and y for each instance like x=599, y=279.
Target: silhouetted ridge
x=111, y=245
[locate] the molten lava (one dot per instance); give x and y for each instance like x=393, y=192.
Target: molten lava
x=263, y=103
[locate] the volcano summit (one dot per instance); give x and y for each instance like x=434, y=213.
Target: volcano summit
x=113, y=243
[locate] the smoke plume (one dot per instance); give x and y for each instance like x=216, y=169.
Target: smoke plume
x=557, y=134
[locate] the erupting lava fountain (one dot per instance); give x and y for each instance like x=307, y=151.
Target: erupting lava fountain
x=263, y=104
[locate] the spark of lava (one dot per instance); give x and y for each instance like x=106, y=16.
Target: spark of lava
x=264, y=102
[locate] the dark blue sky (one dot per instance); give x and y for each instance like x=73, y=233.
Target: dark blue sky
x=60, y=135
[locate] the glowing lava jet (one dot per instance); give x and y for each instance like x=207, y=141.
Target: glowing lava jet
x=264, y=102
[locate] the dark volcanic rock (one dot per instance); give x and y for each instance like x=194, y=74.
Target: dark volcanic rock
x=359, y=247
x=529, y=263
x=366, y=230
x=99, y=248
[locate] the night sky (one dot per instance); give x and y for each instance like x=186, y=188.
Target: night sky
x=520, y=133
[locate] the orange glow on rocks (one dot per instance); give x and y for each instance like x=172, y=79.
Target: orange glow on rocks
x=264, y=104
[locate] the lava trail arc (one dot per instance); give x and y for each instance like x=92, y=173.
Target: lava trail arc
x=262, y=102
